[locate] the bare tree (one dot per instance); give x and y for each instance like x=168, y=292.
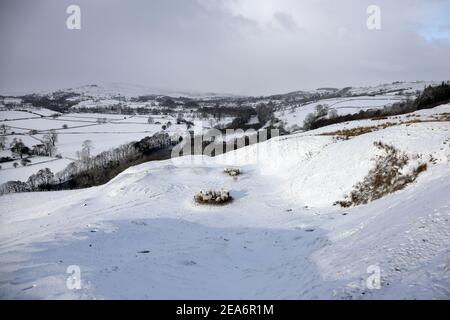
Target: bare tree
x=332, y=114
x=54, y=137
x=85, y=154
x=321, y=110
x=309, y=120
x=2, y=142
x=3, y=129
x=49, y=141
x=86, y=148
x=41, y=178
x=180, y=118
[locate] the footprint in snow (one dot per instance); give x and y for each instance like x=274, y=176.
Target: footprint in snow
x=139, y=223
x=28, y=288
x=189, y=263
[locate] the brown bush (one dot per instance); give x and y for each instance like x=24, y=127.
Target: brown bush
x=384, y=178
x=233, y=172
x=213, y=197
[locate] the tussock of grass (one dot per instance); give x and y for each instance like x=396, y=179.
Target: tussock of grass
x=213, y=197
x=385, y=178
x=232, y=172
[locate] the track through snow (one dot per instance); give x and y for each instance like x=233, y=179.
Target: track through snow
x=142, y=236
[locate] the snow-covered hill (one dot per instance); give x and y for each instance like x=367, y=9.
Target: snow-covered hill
x=296, y=115
x=142, y=236
x=394, y=88
x=352, y=100
x=113, y=89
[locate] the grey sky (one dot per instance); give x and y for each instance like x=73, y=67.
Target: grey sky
x=237, y=46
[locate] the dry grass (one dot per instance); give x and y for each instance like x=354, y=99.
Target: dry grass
x=353, y=132
x=213, y=197
x=232, y=172
x=443, y=116
x=384, y=178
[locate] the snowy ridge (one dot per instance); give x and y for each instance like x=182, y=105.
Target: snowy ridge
x=392, y=88
x=113, y=89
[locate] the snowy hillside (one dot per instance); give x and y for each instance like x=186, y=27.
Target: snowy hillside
x=393, y=88
x=353, y=100
x=114, y=89
x=142, y=236
x=32, y=125
x=343, y=106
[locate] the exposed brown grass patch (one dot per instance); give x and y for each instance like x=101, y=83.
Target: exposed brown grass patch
x=353, y=132
x=232, y=172
x=213, y=197
x=385, y=178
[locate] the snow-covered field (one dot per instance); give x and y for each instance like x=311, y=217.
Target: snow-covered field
x=73, y=129
x=142, y=236
x=9, y=173
x=343, y=106
x=393, y=88
x=372, y=97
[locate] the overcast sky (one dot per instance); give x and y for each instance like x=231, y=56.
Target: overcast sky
x=235, y=46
